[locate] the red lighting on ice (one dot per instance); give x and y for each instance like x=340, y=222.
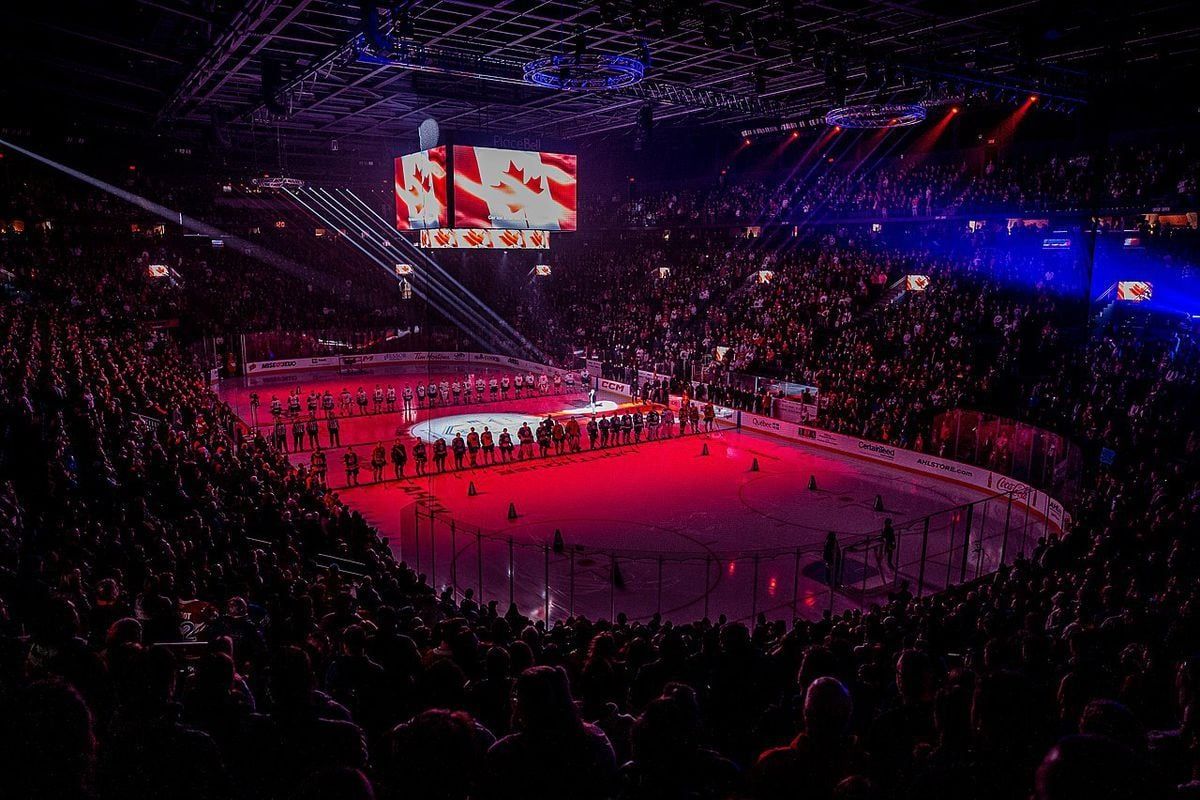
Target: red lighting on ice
x=810, y=600
x=772, y=585
x=732, y=567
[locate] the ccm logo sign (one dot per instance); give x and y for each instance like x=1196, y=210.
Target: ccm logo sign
x=613, y=386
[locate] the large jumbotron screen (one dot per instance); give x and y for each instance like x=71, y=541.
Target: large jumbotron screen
x=513, y=189
x=420, y=185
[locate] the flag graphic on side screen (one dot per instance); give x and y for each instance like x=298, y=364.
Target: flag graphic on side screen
x=420, y=184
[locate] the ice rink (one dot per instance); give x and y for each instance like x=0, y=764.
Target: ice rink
x=682, y=526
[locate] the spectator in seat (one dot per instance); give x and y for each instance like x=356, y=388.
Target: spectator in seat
x=553, y=753
x=820, y=757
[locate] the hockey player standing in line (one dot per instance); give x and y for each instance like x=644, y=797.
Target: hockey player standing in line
x=473, y=448
x=335, y=430
x=420, y=456
x=525, y=437
x=312, y=429
x=378, y=462
x=460, y=448
x=319, y=465
x=350, y=459
x=573, y=435
x=487, y=443
x=559, y=436
x=399, y=457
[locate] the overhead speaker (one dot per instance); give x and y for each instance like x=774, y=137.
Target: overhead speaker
x=428, y=133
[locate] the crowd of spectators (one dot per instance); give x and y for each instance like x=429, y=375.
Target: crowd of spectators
x=172, y=623
x=907, y=186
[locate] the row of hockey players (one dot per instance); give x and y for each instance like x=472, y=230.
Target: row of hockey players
x=552, y=437
x=471, y=389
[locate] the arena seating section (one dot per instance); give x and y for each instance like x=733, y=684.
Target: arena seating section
x=136, y=506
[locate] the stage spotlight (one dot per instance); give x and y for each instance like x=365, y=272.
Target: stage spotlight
x=669, y=18
x=759, y=38
x=954, y=109
x=738, y=34
x=637, y=17
x=645, y=55
x=1033, y=98
x=711, y=31
x=580, y=44
x=608, y=11
x=746, y=141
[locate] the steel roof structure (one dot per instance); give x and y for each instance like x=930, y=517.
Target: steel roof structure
x=298, y=66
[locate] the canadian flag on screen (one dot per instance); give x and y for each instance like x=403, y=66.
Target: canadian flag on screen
x=517, y=189
x=420, y=187
x=1134, y=291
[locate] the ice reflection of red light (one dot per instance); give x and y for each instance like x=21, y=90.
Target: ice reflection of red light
x=810, y=600
x=772, y=584
x=732, y=567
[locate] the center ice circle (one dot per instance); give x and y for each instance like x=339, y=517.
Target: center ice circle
x=497, y=420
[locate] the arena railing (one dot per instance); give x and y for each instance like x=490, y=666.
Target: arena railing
x=551, y=577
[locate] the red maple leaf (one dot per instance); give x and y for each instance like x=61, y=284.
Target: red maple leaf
x=513, y=172
x=534, y=185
